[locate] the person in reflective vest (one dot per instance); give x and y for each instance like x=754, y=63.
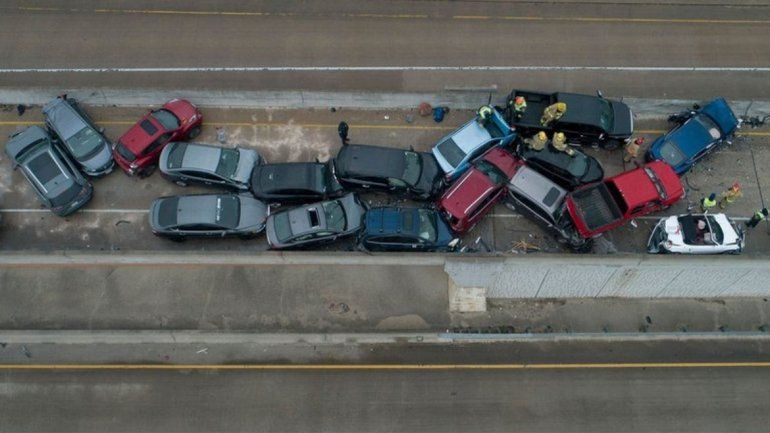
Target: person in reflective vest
x=756, y=218
x=708, y=202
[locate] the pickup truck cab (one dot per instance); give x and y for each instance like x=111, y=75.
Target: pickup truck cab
x=455, y=152
x=603, y=206
x=589, y=120
x=705, y=131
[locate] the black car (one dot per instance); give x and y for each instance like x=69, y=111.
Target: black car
x=295, y=182
x=52, y=174
x=589, y=120
x=405, y=229
x=569, y=171
x=402, y=172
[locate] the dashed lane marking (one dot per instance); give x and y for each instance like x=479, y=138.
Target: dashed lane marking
x=96, y=211
x=209, y=69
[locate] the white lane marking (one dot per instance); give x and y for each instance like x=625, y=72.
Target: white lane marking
x=647, y=217
x=390, y=68
x=80, y=211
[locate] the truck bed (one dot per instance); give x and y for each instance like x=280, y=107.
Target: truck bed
x=536, y=103
x=597, y=206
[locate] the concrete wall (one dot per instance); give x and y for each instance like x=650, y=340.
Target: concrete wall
x=613, y=276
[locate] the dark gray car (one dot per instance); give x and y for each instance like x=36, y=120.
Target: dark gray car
x=79, y=136
x=54, y=177
x=185, y=163
x=207, y=215
x=315, y=223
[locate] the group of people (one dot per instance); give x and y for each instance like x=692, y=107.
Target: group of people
x=540, y=140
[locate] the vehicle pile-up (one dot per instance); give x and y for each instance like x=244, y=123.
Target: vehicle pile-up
x=518, y=155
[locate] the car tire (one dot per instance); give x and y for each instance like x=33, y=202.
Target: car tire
x=194, y=132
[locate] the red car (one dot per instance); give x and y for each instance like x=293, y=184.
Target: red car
x=137, y=151
x=472, y=195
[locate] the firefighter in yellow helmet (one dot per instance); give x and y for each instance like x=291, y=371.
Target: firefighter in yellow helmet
x=537, y=142
x=553, y=113
x=559, y=143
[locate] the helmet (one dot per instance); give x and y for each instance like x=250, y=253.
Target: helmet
x=561, y=107
x=519, y=100
x=639, y=141
x=541, y=135
x=736, y=186
x=560, y=137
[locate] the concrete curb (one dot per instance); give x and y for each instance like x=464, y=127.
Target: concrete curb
x=457, y=99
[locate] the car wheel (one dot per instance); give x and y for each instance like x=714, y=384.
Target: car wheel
x=196, y=131
x=148, y=171
x=181, y=183
x=610, y=145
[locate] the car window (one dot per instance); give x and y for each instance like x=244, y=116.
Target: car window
x=159, y=142
x=451, y=152
x=481, y=206
x=228, y=211
x=228, y=162
x=709, y=126
x=206, y=176
x=533, y=207
x=66, y=196
x=124, y=152
x=427, y=225
x=716, y=230
x=577, y=165
x=148, y=127
x=282, y=227
x=606, y=116
x=198, y=227
x=166, y=119
x=412, y=168
x=492, y=172
x=335, y=215
x=670, y=153
x=85, y=143
x=176, y=156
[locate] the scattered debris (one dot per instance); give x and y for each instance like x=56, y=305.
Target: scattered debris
x=439, y=113
x=409, y=118
x=340, y=308
x=425, y=109
x=205, y=350
x=633, y=223
x=523, y=246
x=122, y=222
x=221, y=135
x=333, y=110
x=25, y=351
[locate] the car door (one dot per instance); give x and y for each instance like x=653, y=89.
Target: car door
x=153, y=150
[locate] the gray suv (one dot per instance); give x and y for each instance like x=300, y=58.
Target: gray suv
x=85, y=143
x=315, y=223
x=53, y=176
x=184, y=163
x=542, y=200
x=207, y=215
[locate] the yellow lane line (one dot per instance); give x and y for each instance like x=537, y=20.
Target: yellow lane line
x=353, y=367
x=397, y=16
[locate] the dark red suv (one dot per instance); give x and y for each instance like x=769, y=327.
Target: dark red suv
x=137, y=151
x=475, y=193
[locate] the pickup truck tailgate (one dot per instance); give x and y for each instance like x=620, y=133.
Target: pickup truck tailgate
x=596, y=206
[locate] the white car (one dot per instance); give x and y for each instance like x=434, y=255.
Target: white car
x=696, y=234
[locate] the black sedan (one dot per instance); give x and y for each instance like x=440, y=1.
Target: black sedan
x=402, y=172
x=294, y=182
x=569, y=171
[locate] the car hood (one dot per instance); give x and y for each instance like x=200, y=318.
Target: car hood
x=720, y=112
x=101, y=161
x=623, y=121
x=431, y=177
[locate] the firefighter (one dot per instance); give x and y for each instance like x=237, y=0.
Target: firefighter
x=729, y=196
x=756, y=218
x=537, y=142
x=552, y=113
x=708, y=202
x=559, y=143
x=632, y=149
x=519, y=107
x=484, y=113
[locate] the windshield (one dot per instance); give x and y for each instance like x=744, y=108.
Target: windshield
x=655, y=181
x=335, y=215
x=671, y=154
x=85, y=143
x=709, y=126
x=228, y=211
x=228, y=163
x=124, y=152
x=282, y=226
x=412, y=168
x=716, y=230
x=578, y=164
x=427, y=225
x=606, y=116
x=166, y=119
x=492, y=172
x=451, y=152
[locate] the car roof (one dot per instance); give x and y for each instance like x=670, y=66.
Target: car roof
x=291, y=175
x=581, y=109
x=538, y=188
x=384, y=221
x=64, y=118
x=307, y=219
x=362, y=160
x=201, y=157
x=136, y=139
x=23, y=141
x=197, y=209
x=471, y=188
x=502, y=159
x=470, y=136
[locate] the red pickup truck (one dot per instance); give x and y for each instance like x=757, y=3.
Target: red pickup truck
x=603, y=206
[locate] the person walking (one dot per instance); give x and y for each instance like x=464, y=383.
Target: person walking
x=519, y=107
x=707, y=203
x=553, y=113
x=342, y=130
x=728, y=197
x=756, y=218
x=537, y=142
x=632, y=149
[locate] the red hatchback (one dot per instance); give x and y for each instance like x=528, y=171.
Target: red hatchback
x=475, y=193
x=137, y=151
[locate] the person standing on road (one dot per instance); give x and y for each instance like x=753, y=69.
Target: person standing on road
x=537, y=142
x=728, y=197
x=756, y=218
x=708, y=202
x=553, y=113
x=632, y=149
x=559, y=143
x=519, y=107
x=342, y=130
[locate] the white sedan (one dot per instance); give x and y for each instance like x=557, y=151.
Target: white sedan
x=696, y=234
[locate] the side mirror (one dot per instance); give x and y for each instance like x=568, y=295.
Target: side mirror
x=599, y=94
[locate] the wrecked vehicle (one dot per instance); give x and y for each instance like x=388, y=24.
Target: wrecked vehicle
x=696, y=234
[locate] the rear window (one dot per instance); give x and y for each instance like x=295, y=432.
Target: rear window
x=44, y=168
x=551, y=197
x=282, y=226
x=167, y=212
x=148, y=127
x=451, y=152
x=335, y=216
x=124, y=152
x=176, y=156
x=671, y=154
x=67, y=196
x=412, y=168
x=166, y=119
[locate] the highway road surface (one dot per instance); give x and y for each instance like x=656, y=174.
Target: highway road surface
x=675, y=50
x=481, y=398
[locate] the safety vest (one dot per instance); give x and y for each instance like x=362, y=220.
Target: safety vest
x=709, y=203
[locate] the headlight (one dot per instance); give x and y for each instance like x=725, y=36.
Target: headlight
x=453, y=243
